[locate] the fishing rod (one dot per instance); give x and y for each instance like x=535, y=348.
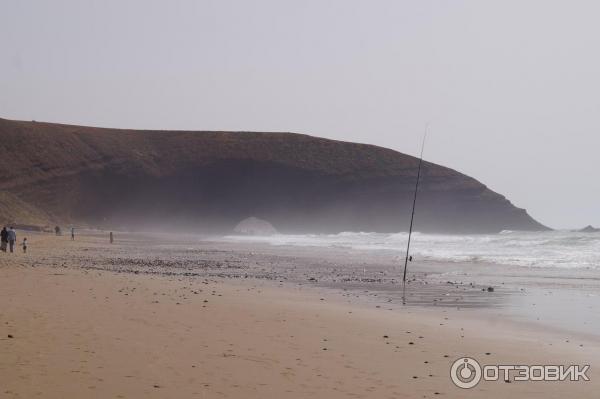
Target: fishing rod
x=412, y=216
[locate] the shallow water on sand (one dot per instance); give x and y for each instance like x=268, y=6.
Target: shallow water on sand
x=550, y=278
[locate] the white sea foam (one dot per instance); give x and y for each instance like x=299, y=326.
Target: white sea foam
x=560, y=249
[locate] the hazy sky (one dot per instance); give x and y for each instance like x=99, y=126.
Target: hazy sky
x=511, y=88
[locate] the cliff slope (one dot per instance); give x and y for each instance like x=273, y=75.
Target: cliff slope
x=209, y=181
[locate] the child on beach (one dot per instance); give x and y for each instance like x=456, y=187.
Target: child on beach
x=24, y=245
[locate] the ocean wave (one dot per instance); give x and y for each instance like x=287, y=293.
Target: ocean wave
x=559, y=249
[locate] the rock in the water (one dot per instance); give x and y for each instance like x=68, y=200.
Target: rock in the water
x=255, y=226
x=589, y=229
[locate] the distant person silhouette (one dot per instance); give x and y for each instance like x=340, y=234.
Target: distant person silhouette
x=72, y=233
x=3, y=239
x=111, y=237
x=12, y=238
x=57, y=230
x=24, y=245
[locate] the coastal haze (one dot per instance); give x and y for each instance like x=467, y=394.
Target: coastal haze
x=232, y=185
x=492, y=78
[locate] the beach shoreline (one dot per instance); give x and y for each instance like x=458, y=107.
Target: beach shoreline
x=87, y=321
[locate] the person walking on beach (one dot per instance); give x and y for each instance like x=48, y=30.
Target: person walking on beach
x=24, y=245
x=12, y=238
x=111, y=237
x=72, y=233
x=3, y=239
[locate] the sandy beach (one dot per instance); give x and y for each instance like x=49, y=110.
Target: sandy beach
x=299, y=200
x=187, y=319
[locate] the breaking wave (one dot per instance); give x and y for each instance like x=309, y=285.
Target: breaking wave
x=560, y=249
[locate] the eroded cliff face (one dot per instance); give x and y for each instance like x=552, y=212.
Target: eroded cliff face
x=209, y=181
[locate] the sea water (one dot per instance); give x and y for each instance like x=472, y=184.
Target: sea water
x=553, y=277
x=553, y=249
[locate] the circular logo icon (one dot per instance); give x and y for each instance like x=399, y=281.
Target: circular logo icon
x=465, y=372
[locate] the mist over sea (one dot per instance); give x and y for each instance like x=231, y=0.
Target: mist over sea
x=554, y=249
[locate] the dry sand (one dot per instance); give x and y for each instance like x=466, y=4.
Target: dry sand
x=90, y=333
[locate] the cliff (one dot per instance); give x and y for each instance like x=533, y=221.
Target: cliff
x=209, y=181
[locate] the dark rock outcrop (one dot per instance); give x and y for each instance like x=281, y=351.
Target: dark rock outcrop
x=209, y=181
x=589, y=229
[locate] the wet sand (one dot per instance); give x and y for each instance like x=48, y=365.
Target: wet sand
x=187, y=319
